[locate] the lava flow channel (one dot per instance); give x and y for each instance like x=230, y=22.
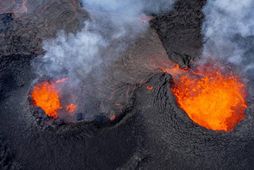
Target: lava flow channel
x=47, y=96
x=211, y=98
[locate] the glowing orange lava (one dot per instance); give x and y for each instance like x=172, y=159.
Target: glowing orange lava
x=211, y=98
x=71, y=108
x=149, y=87
x=47, y=96
x=174, y=70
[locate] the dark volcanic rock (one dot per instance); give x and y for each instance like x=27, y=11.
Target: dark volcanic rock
x=154, y=133
x=6, y=157
x=173, y=141
x=180, y=30
x=6, y=20
x=24, y=34
x=77, y=146
x=85, y=144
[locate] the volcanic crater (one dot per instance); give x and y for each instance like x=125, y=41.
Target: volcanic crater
x=134, y=121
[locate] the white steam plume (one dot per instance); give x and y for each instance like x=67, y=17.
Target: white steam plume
x=111, y=22
x=229, y=32
x=111, y=27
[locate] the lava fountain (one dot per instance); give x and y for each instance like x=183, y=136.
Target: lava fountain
x=211, y=97
x=48, y=95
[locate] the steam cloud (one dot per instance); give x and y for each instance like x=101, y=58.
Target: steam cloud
x=229, y=32
x=112, y=25
x=112, y=22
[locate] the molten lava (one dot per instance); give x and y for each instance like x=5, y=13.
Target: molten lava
x=71, y=108
x=47, y=96
x=149, y=87
x=211, y=98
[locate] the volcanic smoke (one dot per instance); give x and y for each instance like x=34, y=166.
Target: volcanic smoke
x=86, y=53
x=228, y=33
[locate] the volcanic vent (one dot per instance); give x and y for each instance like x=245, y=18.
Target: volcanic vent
x=108, y=69
x=51, y=99
x=212, y=97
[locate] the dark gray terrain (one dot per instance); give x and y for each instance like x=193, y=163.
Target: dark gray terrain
x=152, y=133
